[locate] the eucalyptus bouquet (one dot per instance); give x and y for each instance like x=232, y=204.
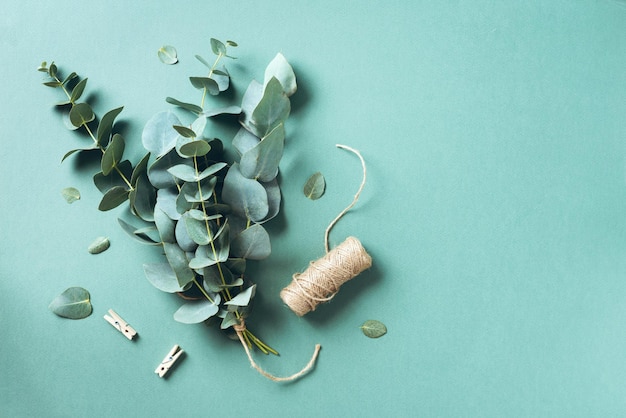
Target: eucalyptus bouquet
x=204, y=213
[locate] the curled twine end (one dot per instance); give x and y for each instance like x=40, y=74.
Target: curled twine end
x=241, y=328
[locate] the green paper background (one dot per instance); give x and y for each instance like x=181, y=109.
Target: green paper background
x=495, y=210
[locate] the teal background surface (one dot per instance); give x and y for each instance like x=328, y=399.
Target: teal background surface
x=495, y=210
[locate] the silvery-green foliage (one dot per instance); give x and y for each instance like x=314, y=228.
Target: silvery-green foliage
x=204, y=211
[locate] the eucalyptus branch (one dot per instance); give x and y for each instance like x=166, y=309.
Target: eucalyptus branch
x=208, y=212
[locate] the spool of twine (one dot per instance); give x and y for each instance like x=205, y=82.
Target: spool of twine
x=321, y=281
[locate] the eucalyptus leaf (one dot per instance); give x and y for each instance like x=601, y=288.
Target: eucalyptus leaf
x=201, y=262
x=164, y=224
x=271, y=111
x=212, y=276
x=166, y=201
x=196, y=195
x=315, y=186
x=203, y=61
x=99, y=245
x=105, y=183
x=140, y=169
x=198, y=148
x=198, y=126
x=218, y=47
x=81, y=114
x=78, y=89
x=136, y=234
x=113, y=154
x=226, y=110
x=178, y=260
x=106, y=126
x=212, y=169
x=243, y=298
x=70, y=194
x=187, y=106
x=273, y=199
x=206, y=83
x=183, y=238
x=261, y=162
x=114, y=197
x=373, y=329
x=244, y=141
x=282, y=71
x=245, y=196
x=194, y=312
x=183, y=172
x=167, y=55
x=145, y=199
x=252, y=243
x=73, y=303
x=158, y=136
x=249, y=102
x=222, y=78
x=161, y=276
x=67, y=154
x=157, y=171
x=229, y=320
x=184, y=131
x=197, y=230
x=182, y=203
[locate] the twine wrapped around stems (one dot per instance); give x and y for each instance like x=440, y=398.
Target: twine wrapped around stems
x=321, y=281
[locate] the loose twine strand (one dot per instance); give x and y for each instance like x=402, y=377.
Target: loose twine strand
x=323, y=278
x=356, y=196
x=241, y=328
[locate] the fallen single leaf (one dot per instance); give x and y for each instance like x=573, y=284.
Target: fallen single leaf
x=73, y=303
x=373, y=329
x=99, y=245
x=315, y=186
x=71, y=194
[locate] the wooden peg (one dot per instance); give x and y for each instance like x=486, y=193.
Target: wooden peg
x=119, y=324
x=169, y=361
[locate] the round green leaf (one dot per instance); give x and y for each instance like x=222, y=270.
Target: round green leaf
x=197, y=311
x=197, y=148
x=158, y=136
x=282, y=71
x=161, y=276
x=246, y=197
x=315, y=186
x=261, y=162
x=73, y=303
x=252, y=243
x=167, y=54
x=373, y=329
x=71, y=194
x=81, y=114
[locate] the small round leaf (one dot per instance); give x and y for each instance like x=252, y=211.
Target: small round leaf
x=73, y=303
x=167, y=54
x=373, y=329
x=315, y=186
x=71, y=194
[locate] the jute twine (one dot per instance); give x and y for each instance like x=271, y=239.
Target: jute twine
x=321, y=281
x=241, y=328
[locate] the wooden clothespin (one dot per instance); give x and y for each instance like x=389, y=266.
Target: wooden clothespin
x=121, y=325
x=169, y=361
